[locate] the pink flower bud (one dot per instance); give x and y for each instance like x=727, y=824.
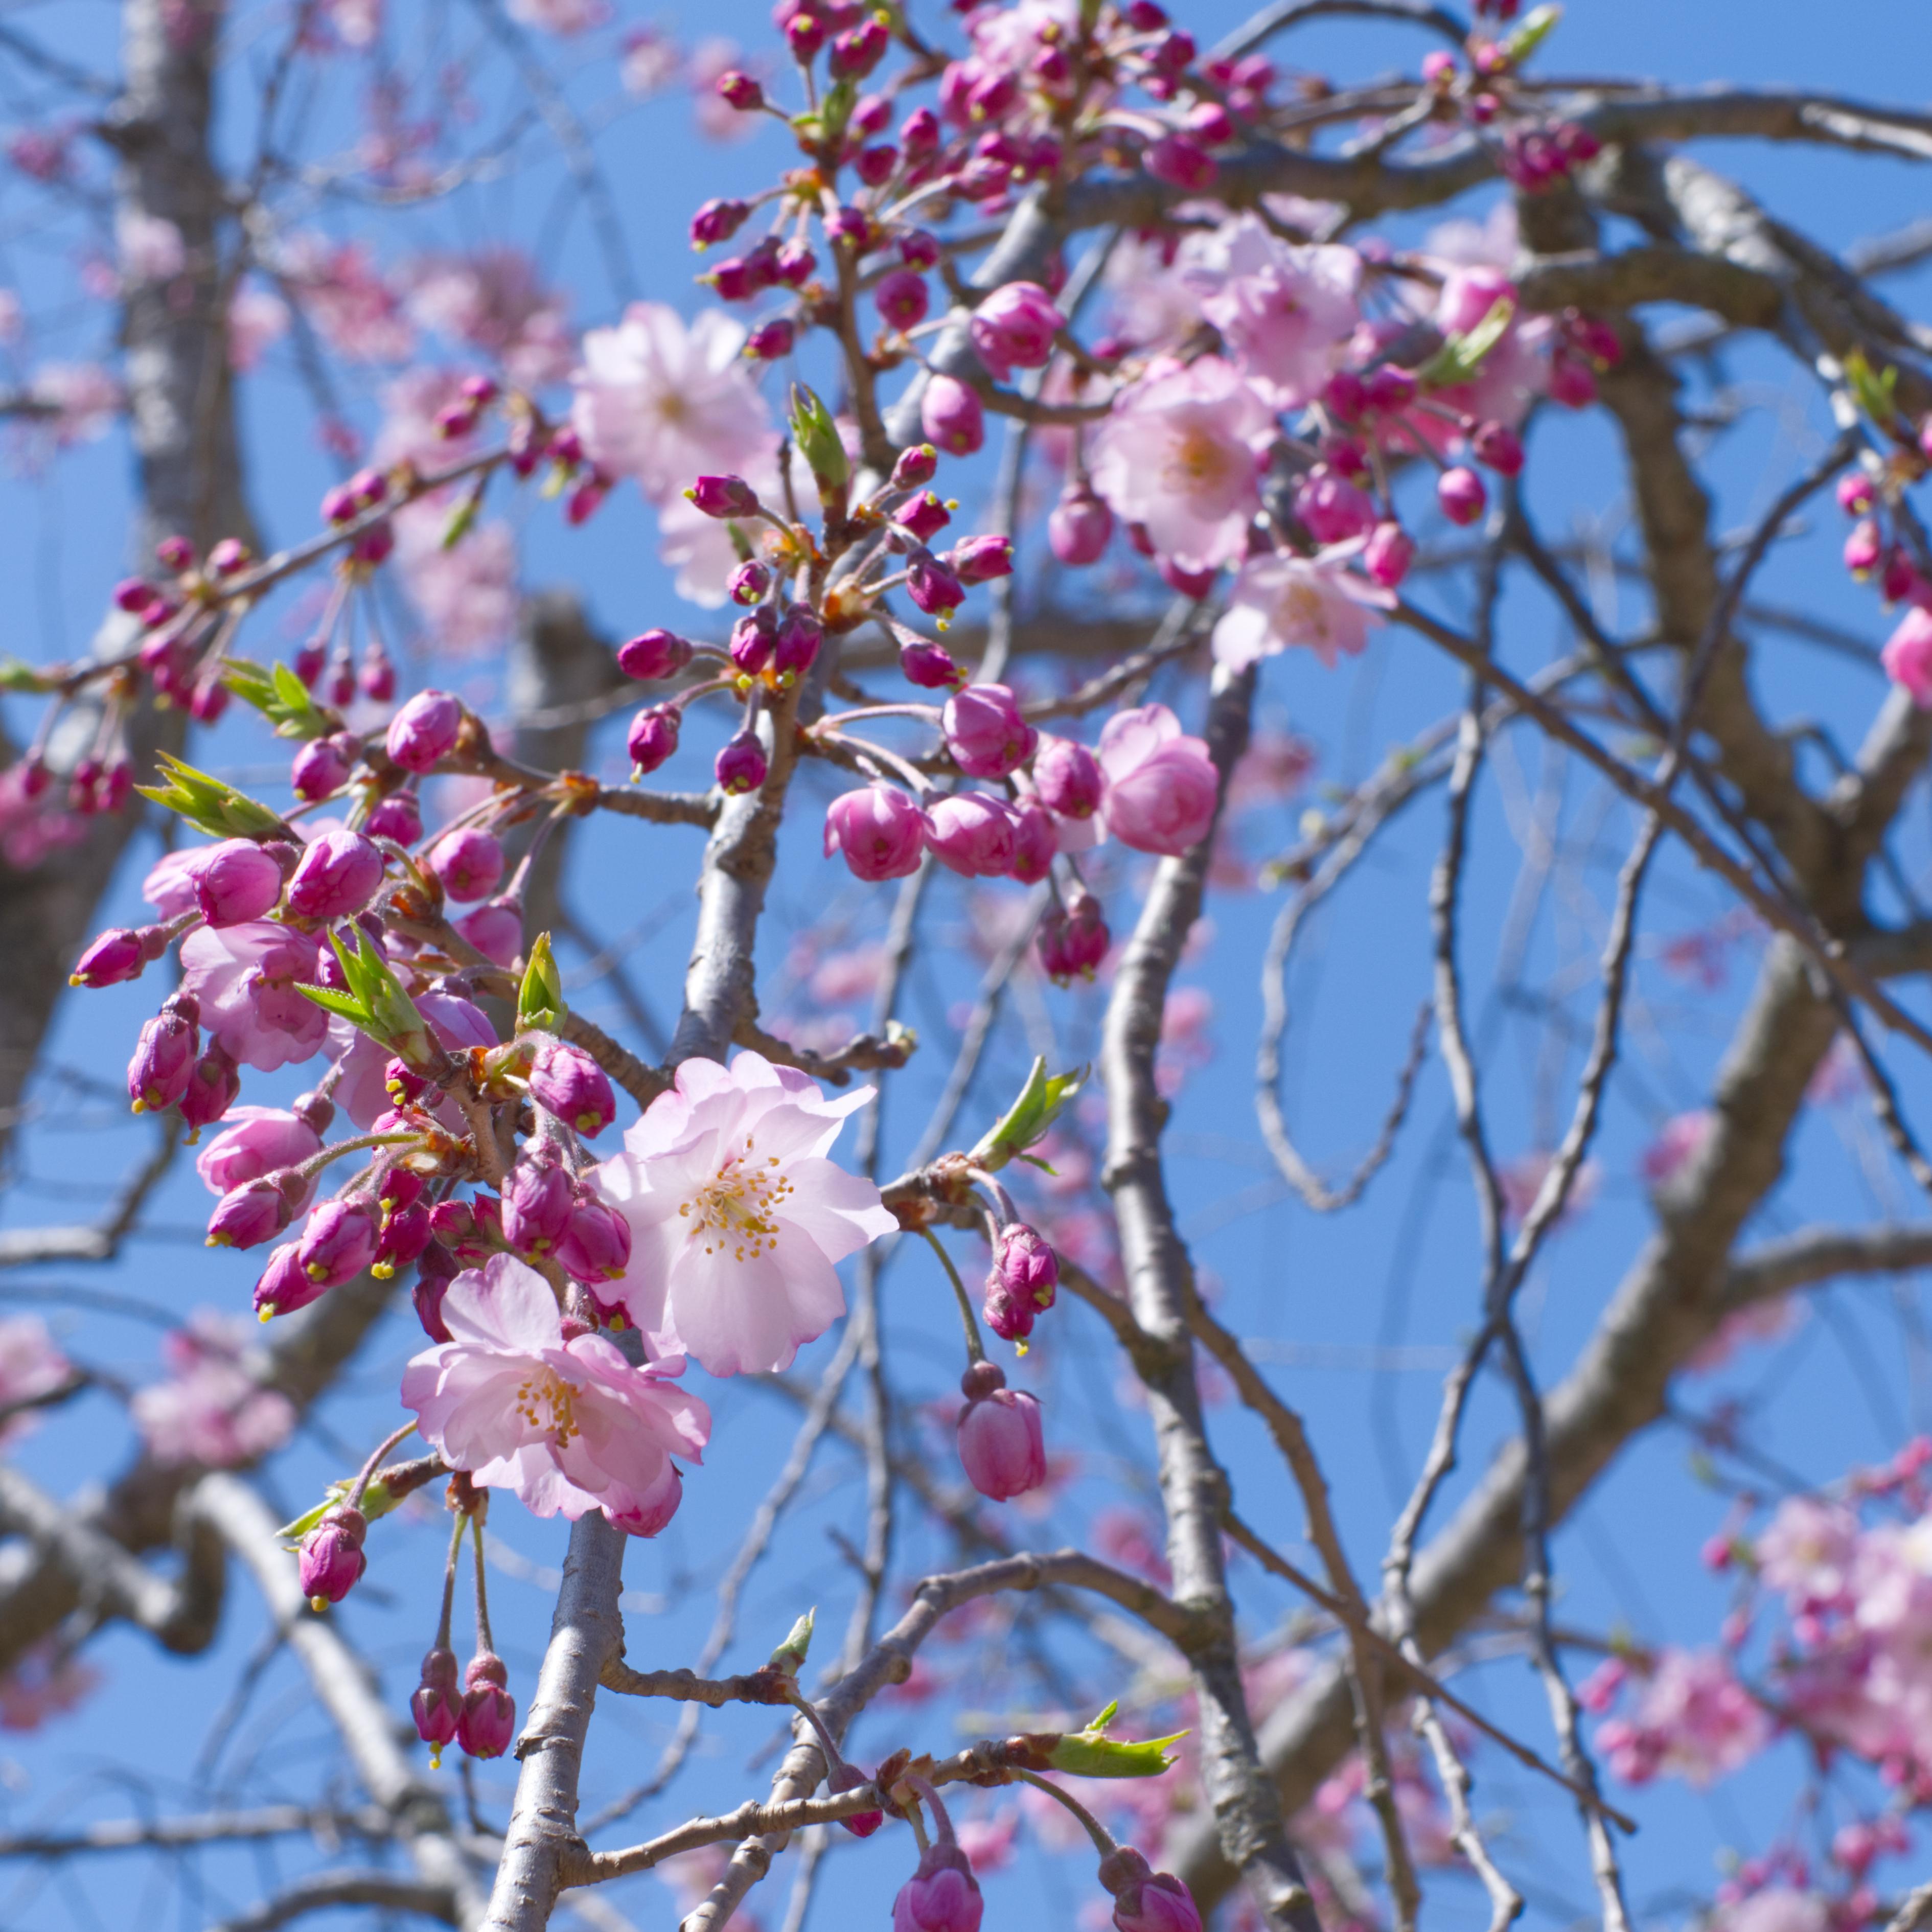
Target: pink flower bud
x=1387, y=555
x=856, y=52
x=596, y=1243
x=1000, y=1446
x=495, y=929
x=985, y=733
x=1391, y=389
x=879, y=829
x=718, y=220
x=849, y=1777
x=851, y=226
x=1181, y=161
x=1498, y=446
x=1332, y=507
x=536, y=1206
x=1036, y=840
x=1026, y=1266
x=752, y=637
x=805, y=34
x=925, y=516
x=1145, y=1900
x=398, y=817
x=653, y=654
x=1080, y=528
x=236, y=882
x=572, y=1086
x=653, y=737
x=1855, y=492
x=741, y=766
x=319, y=770
x=934, y=585
x=942, y=1895
x=489, y=1719
x=470, y=863
x=799, y=636
x=436, y=1703
x=918, y=135
x=724, y=496
x=246, y=1216
x=973, y=834
x=1863, y=548
x=284, y=1287
x=902, y=299
x=337, y=874
x=425, y=731
x=876, y=165
x=1571, y=383
x=119, y=954
x=1014, y=327
x=1067, y=778
x=1898, y=580
x=436, y=1268
x=338, y=1244
x=164, y=1056
x=1073, y=941
x=741, y=91
x=133, y=596
x=1461, y=493
x=228, y=557
x=915, y=465
x=795, y=264
x=951, y=415
x=929, y=666
x=213, y=1087
x=1438, y=67
x=332, y=1560
x=404, y=1236
x=980, y=560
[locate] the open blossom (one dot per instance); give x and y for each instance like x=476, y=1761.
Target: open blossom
x=664, y=401
x=1317, y=602
x=253, y=1141
x=245, y=977
x=1161, y=783
x=1286, y=311
x=1907, y=655
x=567, y=1423
x=1806, y=1550
x=212, y=1411
x=1180, y=456
x=1693, y=1720
x=736, y=1216
x=30, y=1366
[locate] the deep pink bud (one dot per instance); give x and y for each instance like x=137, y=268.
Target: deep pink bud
x=1025, y=1266
x=1014, y=328
x=228, y=557
x=915, y=465
x=950, y=414
x=119, y=954
x=805, y=34
x=929, y=666
x=1334, y=509
x=794, y=263
x=1571, y=382
x=772, y=339
x=1461, y=493
x=1000, y=1446
x=319, y=770
x=752, y=637
x=164, y=1056
x=236, y=882
x=653, y=654
x=596, y=1243
x=1036, y=840
x=1898, y=578
x=425, y=731
x=933, y=585
x=918, y=135
x=1387, y=555
x=536, y=1206
x=398, y=817
x=1073, y=941
x=985, y=733
x=1067, y=778
x=749, y=582
x=879, y=830
x=470, y=863
x=741, y=765
x=852, y=227
x=1145, y=1900
x=337, y=873
x=724, y=496
x=246, y=1216
x=133, y=596
x=174, y=553
x=973, y=834
x=404, y=1237
x=339, y=1242
x=718, y=220
x=799, y=636
x=1863, y=548
x=573, y=1087
x=1498, y=447
x=213, y=1087
x=436, y=1703
x=332, y=1560
x=1080, y=528
x=1391, y=389
x=653, y=736
x=436, y=1268
x=942, y=1895
x=856, y=52
x=849, y=1777
x=741, y=91
x=1181, y=161
x=489, y=1719
x=980, y=560
x=925, y=516
x=284, y=1287
x=1855, y=492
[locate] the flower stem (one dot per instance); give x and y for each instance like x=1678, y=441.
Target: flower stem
x=975, y=1348
x=484, y=1640
x=354, y=1498
x=942, y=1824
x=1103, y=1839
x=449, y=1584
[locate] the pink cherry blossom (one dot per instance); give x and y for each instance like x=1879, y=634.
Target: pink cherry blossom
x=664, y=401
x=566, y=1422
x=1287, y=312
x=360, y=1091
x=212, y=1411
x=1693, y=1720
x=1907, y=655
x=1161, y=783
x=253, y=1141
x=1318, y=601
x=736, y=1216
x=245, y=977
x=1180, y=456
x=1775, y=1908
x=30, y=1366
x=1806, y=1550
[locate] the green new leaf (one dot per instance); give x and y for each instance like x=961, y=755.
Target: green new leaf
x=1092, y=1753
x=1876, y=390
x=840, y=100
x=211, y=806
x=790, y=1655
x=281, y=697
x=816, y=436
x=376, y=1501
x=1538, y=25
x=540, y=998
x=374, y=1002
x=1027, y=1121
x=15, y=676
x=1461, y=356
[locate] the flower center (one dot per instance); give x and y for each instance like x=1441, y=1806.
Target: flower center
x=737, y=1208
x=1303, y=610
x=1198, y=458
x=548, y=1402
